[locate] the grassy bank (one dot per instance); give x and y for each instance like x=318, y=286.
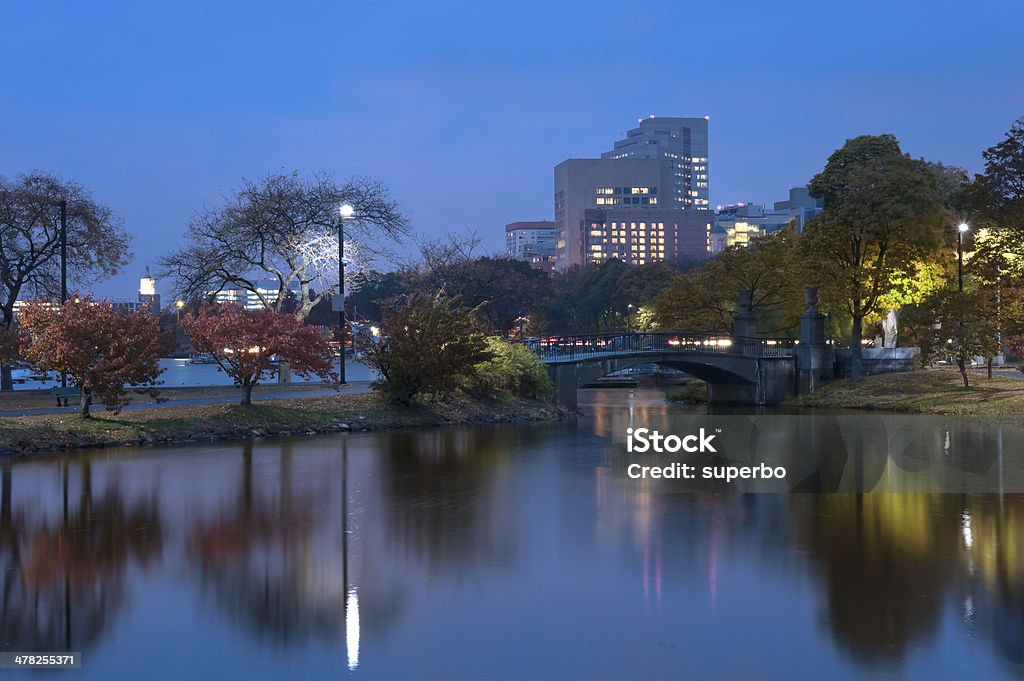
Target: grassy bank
x=693, y=391
x=336, y=413
x=937, y=390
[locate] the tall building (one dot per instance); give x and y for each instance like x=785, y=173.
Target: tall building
x=662, y=165
x=532, y=242
x=586, y=183
x=638, y=237
x=683, y=142
x=737, y=224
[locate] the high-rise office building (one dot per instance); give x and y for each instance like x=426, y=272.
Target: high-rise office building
x=662, y=165
x=639, y=237
x=681, y=141
x=586, y=183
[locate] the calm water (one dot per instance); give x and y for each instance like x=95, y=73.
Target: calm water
x=179, y=373
x=526, y=552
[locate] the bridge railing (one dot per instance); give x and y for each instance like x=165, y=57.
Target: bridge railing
x=570, y=348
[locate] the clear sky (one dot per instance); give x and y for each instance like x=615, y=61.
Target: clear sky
x=463, y=107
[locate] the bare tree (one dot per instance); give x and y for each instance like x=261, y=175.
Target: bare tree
x=284, y=228
x=97, y=245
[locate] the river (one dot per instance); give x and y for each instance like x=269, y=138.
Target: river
x=893, y=548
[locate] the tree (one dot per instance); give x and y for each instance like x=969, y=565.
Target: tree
x=998, y=194
x=500, y=289
x=882, y=213
x=30, y=243
x=245, y=342
x=100, y=348
x=704, y=298
x=426, y=344
x=285, y=228
x=512, y=370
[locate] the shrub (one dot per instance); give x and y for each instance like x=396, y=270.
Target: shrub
x=512, y=370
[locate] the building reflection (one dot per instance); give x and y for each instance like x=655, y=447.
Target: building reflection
x=64, y=564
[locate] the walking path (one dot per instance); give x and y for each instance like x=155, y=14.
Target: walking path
x=349, y=388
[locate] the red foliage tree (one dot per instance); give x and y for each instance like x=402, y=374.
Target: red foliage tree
x=11, y=344
x=243, y=342
x=100, y=348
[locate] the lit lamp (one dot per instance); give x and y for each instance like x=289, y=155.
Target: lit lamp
x=345, y=212
x=961, y=229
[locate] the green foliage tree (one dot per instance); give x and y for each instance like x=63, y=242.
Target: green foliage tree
x=883, y=212
x=428, y=344
x=704, y=298
x=512, y=370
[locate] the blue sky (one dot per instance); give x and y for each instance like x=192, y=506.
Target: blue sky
x=463, y=108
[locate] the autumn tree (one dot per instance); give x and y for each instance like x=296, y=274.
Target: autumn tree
x=30, y=243
x=882, y=213
x=284, y=228
x=244, y=344
x=102, y=349
x=704, y=298
x=427, y=344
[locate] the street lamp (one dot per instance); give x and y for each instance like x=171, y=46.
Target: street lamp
x=345, y=212
x=179, y=305
x=629, y=318
x=960, y=231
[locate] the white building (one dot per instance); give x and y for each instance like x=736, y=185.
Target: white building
x=532, y=242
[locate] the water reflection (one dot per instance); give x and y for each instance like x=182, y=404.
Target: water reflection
x=64, y=565
x=521, y=551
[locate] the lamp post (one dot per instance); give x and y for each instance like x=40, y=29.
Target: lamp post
x=960, y=231
x=63, y=268
x=345, y=212
x=629, y=318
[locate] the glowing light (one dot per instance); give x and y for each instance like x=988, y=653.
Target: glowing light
x=963, y=227
x=375, y=331
x=966, y=529
x=352, y=628
x=346, y=210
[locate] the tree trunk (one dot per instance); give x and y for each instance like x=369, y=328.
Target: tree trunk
x=856, y=353
x=86, y=401
x=6, y=380
x=890, y=327
x=284, y=372
x=990, y=360
x=247, y=394
x=961, y=364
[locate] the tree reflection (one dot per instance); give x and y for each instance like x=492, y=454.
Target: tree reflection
x=886, y=560
x=63, y=582
x=440, y=500
x=262, y=565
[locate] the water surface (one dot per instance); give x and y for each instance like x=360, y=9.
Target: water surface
x=526, y=552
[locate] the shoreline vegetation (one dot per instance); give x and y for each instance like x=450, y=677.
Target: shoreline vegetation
x=935, y=390
x=297, y=416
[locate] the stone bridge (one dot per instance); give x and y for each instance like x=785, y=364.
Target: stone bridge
x=739, y=368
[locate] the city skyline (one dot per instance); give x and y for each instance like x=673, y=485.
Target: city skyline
x=161, y=114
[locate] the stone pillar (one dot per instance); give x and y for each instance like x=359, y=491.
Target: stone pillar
x=814, y=358
x=743, y=323
x=564, y=377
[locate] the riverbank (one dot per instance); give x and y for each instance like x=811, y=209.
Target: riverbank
x=333, y=414
x=937, y=390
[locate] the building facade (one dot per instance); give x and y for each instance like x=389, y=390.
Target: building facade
x=586, y=184
x=683, y=142
x=639, y=237
x=532, y=242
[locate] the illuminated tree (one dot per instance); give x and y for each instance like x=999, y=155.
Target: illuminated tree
x=704, y=299
x=30, y=243
x=244, y=344
x=883, y=212
x=100, y=348
x=285, y=228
